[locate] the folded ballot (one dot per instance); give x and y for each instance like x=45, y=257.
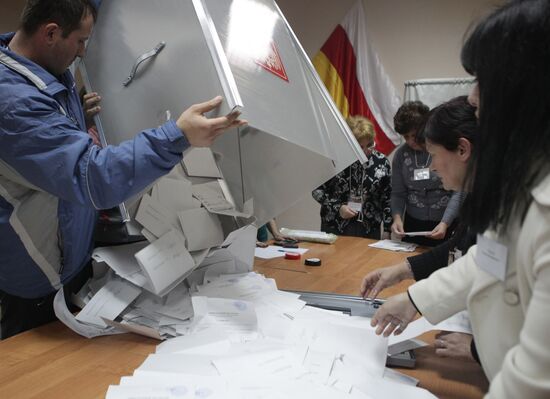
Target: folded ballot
x=165, y=262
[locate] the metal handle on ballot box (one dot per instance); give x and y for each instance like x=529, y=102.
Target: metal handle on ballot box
x=153, y=53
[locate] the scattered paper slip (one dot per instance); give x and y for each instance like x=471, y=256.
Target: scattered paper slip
x=398, y=246
x=273, y=251
x=418, y=233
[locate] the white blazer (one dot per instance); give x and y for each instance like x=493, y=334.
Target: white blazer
x=511, y=319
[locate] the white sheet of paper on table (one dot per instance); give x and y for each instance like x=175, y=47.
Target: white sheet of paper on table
x=180, y=363
x=235, y=317
x=210, y=342
x=456, y=323
x=273, y=363
x=392, y=245
x=273, y=251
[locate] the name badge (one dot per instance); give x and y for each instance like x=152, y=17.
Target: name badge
x=355, y=206
x=454, y=255
x=421, y=174
x=491, y=257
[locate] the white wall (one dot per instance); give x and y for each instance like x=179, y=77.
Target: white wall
x=9, y=17
x=414, y=39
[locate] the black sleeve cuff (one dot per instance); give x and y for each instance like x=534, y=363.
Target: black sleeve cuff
x=410, y=299
x=473, y=349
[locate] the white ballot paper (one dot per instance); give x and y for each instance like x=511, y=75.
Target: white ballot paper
x=280, y=363
x=121, y=259
x=166, y=262
x=456, y=323
x=108, y=302
x=175, y=195
x=391, y=245
x=200, y=162
x=241, y=244
x=206, y=343
x=418, y=233
x=211, y=196
x=201, y=229
x=235, y=317
x=67, y=318
x=273, y=251
x=154, y=217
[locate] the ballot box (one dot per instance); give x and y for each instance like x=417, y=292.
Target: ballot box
x=152, y=60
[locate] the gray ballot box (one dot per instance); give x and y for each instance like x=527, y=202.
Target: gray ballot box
x=151, y=60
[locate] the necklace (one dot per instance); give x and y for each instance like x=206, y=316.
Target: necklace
x=422, y=166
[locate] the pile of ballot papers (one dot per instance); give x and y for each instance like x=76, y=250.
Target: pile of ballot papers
x=191, y=229
x=247, y=339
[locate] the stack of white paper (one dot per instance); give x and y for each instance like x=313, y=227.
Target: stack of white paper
x=250, y=340
x=391, y=245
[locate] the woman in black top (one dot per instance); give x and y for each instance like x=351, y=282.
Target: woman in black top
x=450, y=134
x=356, y=202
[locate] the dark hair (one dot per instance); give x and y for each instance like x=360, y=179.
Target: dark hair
x=410, y=116
x=449, y=122
x=66, y=13
x=509, y=53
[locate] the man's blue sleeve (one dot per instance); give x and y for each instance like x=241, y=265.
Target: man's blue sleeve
x=49, y=151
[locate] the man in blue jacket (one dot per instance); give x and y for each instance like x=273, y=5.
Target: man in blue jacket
x=53, y=179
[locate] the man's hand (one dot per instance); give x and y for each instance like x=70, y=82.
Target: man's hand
x=385, y=277
x=438, y=233
x=346, y=212
x=453, y=344
x=90, y=104
x=202, y=131
x=394, y=315
x=397, y=226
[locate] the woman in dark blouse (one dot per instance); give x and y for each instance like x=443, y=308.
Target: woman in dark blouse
x=356, y=202
x=450, y=132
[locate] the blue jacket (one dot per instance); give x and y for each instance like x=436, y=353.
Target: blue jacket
x=53, y=179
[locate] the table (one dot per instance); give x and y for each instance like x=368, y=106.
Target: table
x=53, y=362
x=344, y=264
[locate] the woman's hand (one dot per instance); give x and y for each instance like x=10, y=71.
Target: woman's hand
x=438, y=233
x=453, y=344
x=385, y=277
x=397, y=226
x=346, y=212
x=394, y=315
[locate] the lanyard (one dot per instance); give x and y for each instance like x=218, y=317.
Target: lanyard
x=422, y=166
x=360, y=184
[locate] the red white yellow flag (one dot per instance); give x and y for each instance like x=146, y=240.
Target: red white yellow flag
x=355, y=78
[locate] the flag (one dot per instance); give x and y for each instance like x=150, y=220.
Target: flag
x=355, y=78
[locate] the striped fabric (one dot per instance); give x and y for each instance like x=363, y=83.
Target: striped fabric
x=356, y=80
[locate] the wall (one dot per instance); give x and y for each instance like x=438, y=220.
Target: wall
x=9, y=17
x=414, y=39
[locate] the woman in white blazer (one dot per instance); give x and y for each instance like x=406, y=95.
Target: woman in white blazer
x=504, y=280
